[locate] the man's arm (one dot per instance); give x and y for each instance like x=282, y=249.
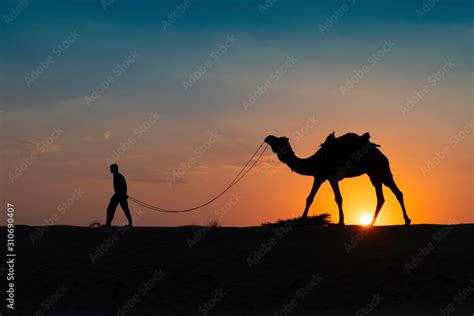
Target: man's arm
x=124, y=184
x=120, y=185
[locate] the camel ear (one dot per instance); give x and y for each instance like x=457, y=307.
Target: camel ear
x=286, y=138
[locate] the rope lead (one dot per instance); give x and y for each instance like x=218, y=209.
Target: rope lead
x=236, y=180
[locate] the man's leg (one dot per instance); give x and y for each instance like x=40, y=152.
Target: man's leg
x=126, y=210
x=111, y=210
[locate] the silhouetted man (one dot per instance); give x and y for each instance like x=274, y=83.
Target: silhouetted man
x=120, y=196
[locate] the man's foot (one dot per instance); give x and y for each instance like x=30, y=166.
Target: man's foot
x=129, y=225
x=407, y=221
x=341, y=224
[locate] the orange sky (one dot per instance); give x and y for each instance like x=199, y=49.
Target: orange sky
x=77, y=160
x=241, y=74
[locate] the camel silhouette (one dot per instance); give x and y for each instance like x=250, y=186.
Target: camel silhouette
x=346, y=156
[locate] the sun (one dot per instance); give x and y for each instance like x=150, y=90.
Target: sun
x=365, y=219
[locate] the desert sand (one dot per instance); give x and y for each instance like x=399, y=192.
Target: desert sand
x=326, y=270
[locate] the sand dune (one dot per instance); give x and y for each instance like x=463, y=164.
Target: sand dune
x=416, y=270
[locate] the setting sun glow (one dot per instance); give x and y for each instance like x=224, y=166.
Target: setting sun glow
x=365, y=219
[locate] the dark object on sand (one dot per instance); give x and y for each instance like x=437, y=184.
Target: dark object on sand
x=316, y=220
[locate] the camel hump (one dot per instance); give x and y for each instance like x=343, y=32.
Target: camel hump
x=349, y=138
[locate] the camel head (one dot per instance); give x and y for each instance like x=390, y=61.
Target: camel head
x=280, y=146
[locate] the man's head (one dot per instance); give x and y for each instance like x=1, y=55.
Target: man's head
x=114, y=168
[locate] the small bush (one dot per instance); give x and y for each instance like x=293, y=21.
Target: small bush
x=316, y=220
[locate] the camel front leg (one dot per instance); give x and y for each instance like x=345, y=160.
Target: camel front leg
x=309, y=200
x=338, y=198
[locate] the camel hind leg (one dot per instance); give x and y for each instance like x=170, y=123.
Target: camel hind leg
x=380, y=199
x=390, y=183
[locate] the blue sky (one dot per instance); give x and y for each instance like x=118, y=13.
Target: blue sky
x=167, y=56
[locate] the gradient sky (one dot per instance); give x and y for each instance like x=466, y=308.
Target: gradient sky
x=401, y=72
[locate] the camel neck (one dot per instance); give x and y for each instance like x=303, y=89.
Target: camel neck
x=296, y=164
